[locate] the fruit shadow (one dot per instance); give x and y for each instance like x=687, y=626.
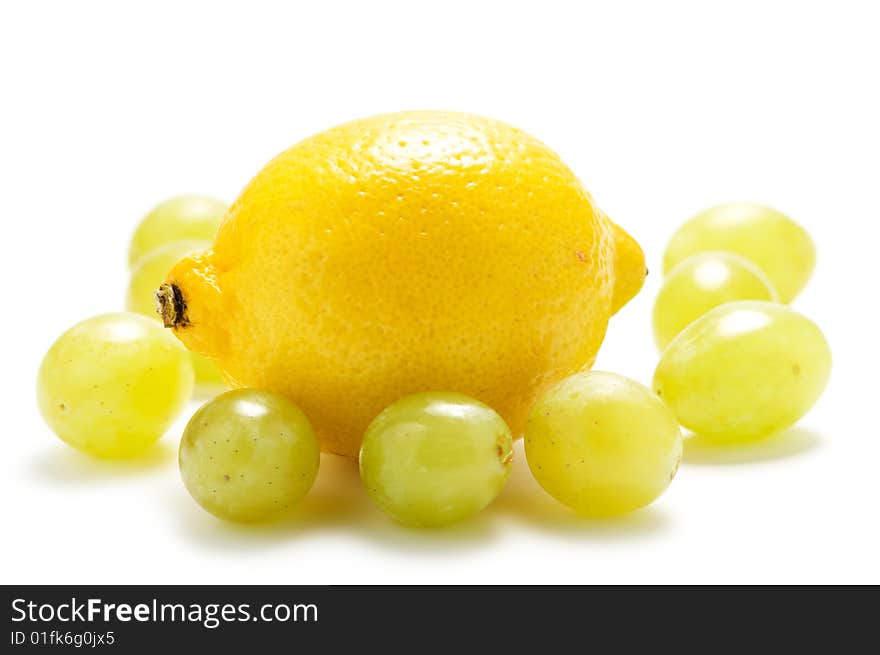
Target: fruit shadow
x=337, y=503
x=700, y=451
x=525, y=501
x=61, y=466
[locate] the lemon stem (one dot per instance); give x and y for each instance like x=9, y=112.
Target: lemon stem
x=171, y=306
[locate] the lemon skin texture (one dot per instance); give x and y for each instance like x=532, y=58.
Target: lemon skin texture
x=629, y=277
x=403, y=253
x=771, y=240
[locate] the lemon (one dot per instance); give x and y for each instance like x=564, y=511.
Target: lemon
x=401, y=253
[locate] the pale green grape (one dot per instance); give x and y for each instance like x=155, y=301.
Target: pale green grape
x=771, y=240
x=701, y=283
x=431, y=459
x=602, y=444
x=183, y=218
x=209, y=380
x=744, y=371
x=248, y=454
x=113, y=384
x=146, y=277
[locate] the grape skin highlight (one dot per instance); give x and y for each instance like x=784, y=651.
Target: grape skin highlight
x=744, y=371
x=602, y=444
x=771, y=240
x=701, y=283
x=248, y=455
x=113, y=384
x=431, y=459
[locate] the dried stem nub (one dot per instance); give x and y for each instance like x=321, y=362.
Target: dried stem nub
x=171, y=306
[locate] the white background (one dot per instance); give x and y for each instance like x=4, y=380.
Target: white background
x=661, y=108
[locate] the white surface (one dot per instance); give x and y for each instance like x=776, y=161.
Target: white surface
x=662, y=109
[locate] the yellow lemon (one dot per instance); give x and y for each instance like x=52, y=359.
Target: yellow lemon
x=149, y=271
x=401, y=253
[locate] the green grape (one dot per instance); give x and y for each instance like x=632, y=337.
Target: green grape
x=183, y=218
x=146, y=277
x=113, y=384
x=772, y=241
x=602, y=444
x=701, y=283
x=743, y=371
x=248, y=454
x=431, y=459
